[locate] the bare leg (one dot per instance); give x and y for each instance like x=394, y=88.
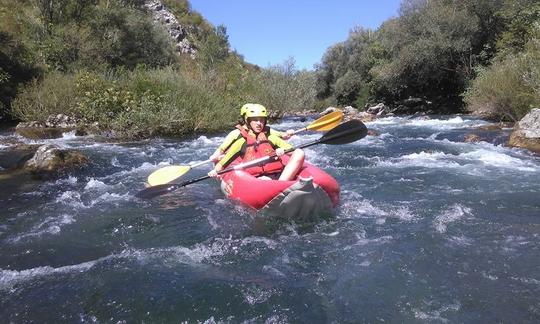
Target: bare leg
x=296, y=161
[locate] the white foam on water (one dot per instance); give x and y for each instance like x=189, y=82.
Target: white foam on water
x=201, y=141
x=116, y=163
x=489, y=276
x=95, y=184
x=273, y=271
x=374, y=141
x=210, y=251
x=470, y=162
x=513, y=242
x=436, y=315
x=317, y=159
x=255, y=295
x=69, y=135
x=362, y=241
x=421, y=159
x=108, y=197
x=461, y=240
x=426, y=122
x=386, y=121
x=500, y=160
x=352, y=207
x=9, y=278
x=451, y=215
x=51, y=226
x=531, y=281
x=71, y=198
x=403, y=213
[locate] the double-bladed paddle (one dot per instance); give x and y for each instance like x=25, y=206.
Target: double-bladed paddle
x=346, y=132
x=172, y=172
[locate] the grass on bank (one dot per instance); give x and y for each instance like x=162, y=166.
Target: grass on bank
x=161, y=102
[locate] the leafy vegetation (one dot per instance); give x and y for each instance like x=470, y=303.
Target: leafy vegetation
x=510, y=87
x=434, y=50
x=109, y=64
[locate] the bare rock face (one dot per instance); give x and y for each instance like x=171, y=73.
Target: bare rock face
x=178, y=33
x=526, y=132
x=51, y=159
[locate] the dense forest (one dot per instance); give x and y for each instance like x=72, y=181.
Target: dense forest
x=454, y=55
x=110, y=65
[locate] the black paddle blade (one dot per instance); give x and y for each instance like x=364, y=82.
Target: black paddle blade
x=347, y=132
x=155, y=191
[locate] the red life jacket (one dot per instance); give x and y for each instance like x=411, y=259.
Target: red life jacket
x=258, y=146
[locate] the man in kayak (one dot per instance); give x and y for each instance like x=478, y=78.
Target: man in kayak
x=235, y=134
x=256, y=140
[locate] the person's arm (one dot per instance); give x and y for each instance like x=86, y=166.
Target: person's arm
x=279, y=142
x=284, y=135
x=227, y=142
x=229, y=139
x=231, y=154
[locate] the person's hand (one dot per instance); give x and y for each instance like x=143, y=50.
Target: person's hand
x=214, y=172
x=280, y=152
x=288, y=134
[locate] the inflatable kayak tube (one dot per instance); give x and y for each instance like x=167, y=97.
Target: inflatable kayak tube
x=311, y=195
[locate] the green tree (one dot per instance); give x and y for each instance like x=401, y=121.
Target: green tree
x=510, y=87
x=214, y=47
x=15, y=69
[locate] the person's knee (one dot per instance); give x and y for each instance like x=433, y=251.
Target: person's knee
x=298, y=154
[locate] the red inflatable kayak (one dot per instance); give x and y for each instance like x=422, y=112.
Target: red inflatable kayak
x=312, y=193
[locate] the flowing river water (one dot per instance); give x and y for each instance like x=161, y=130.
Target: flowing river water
x=429, y=229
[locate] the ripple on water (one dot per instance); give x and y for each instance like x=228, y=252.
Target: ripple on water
x=455, y=213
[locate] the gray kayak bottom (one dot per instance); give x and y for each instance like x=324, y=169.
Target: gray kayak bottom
x=303, y=202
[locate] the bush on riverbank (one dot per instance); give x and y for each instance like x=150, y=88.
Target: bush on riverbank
x=510, y=87
x=161, y=102
x=134, y=103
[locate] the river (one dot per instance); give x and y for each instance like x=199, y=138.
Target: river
x=429, y=229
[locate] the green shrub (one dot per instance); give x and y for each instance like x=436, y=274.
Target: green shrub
x=54, y=94
x=510, y=87
x=16, y=68
x=137, y=103
x=282, y=88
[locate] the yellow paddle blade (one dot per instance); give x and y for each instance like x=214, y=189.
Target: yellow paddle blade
x=327, y=122
x=167, y=174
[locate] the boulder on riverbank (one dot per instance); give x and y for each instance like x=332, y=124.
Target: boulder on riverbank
x=54, y=127
x=371, y=113
x=526, y=132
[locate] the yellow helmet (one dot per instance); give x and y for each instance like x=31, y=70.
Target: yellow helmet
x=253, y=110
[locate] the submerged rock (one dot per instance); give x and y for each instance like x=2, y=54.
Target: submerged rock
x=50, y=159
x=472, y=138
x=526, y=132
x=17, y=155
x=40, y=132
